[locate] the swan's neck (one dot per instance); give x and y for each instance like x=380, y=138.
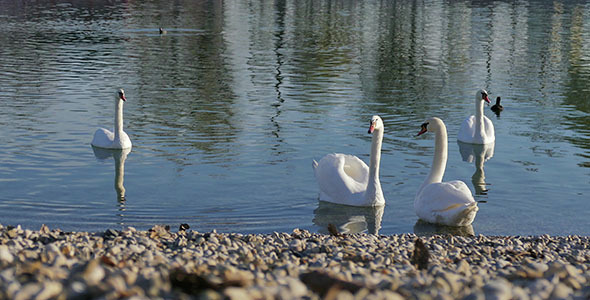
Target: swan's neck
x=479, y=129
x=374, y=185
x=439, y=162
x=118, y=118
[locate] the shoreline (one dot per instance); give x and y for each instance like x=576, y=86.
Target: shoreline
x=186, y=264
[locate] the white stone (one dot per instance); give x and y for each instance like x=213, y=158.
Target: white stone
x=5, y=255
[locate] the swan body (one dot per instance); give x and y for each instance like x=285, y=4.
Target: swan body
x=477, y=129
x=447, y=203
x=116, y=139
x=346, y=179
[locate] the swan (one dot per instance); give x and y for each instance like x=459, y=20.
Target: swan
x=447, y=203
x=497, y=108
x=345, y=179
x=477, y=129
x=117, y=139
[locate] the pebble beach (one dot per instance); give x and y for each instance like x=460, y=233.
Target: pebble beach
x=182, y=263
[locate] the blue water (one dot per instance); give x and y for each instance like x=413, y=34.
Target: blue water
x=227, y=110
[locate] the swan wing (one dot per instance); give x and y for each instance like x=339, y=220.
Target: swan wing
x=124, y=141
x=103, y=138
x=467, y=130
x=448, y=203
x=342, y=178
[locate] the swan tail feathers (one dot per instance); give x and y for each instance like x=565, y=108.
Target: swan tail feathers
x=465, y=217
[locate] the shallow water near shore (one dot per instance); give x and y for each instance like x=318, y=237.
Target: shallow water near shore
x=227, y=110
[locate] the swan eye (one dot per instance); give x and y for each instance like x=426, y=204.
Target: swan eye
x=425, y=125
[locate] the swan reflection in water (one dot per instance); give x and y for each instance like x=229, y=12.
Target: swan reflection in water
x=424, y=228
x=119, y=156
x=348, y=219
x=479, y=154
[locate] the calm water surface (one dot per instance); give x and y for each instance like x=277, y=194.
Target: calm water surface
x=227, y=110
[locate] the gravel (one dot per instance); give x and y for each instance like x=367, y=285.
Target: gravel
x=186, y=264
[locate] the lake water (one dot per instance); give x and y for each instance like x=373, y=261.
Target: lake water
x=227, y=110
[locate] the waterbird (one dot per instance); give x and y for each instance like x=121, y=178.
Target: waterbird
x=447, y=203
x=116, y=139
x=497, y=108
x=346, y=179
x=477, y=129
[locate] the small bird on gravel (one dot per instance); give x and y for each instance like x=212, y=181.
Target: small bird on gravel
x=420, y=256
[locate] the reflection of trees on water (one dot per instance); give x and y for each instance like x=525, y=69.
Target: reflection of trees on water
x=188, y=72
x=407, y=56
x=578, y=83
x=279, y=35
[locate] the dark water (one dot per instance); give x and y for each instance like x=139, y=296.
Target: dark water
x=227, y=110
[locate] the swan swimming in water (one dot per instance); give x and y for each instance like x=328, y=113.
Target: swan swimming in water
x=346, y=179
x=116, y=139
x=477, y=129
x=447, y=203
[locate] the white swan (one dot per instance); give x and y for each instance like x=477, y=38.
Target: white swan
x=117, y=139
x=477, y=129
x=345, y=179
x=448, y=203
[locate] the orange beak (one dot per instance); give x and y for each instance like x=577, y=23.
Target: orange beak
x=372, y=128
x=421, y=131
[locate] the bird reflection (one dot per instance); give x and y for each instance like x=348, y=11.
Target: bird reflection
x=479, y=154
x=119, y=156
x=425, y=228
x=348, y=219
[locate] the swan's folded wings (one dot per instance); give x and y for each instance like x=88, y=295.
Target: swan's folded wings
x=467, y=130
x=445, y=196
x=340, y=175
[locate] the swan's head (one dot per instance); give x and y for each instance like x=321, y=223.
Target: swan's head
x=482, y=95
x=121, y=95
x=376, y=123
x=430, y=125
